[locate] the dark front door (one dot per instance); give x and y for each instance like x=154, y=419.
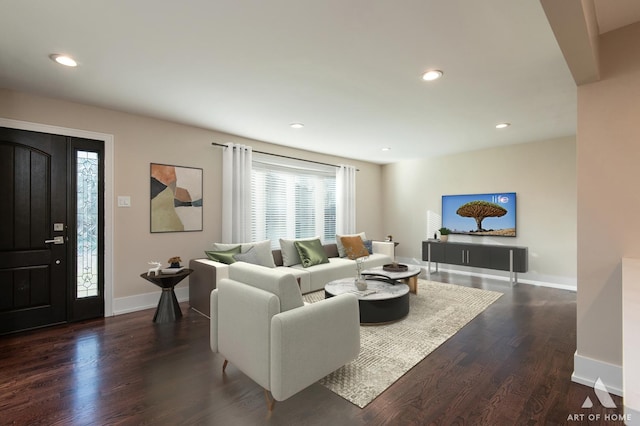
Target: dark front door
x=37, y=263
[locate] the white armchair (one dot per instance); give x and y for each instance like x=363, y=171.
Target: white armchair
x=260, y=324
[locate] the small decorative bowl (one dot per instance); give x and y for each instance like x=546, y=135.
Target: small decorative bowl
x=395, y=267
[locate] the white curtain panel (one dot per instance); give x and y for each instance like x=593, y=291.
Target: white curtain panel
x=346, y=200
x=236, y=193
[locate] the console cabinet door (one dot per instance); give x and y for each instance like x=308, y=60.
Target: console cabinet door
x=455, y=254
x=467, y=254
x=500, y=258
x=437, y=251
x=478, y=256
x=521, y=259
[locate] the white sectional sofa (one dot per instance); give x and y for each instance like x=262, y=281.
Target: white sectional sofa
x=207, y=273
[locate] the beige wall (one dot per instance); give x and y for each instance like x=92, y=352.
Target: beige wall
x=139, y=141
x=608, y=202
x=543, y=174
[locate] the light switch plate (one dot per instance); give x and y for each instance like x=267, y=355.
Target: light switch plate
x=124, y=201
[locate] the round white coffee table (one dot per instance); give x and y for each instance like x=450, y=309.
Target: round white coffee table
x=380, y=303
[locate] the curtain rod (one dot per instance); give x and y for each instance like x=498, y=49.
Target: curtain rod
x=284, y=156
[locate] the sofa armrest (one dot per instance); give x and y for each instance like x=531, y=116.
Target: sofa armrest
x=384, y=247
x=242, y=315
x=309, y=342
x=205, y=277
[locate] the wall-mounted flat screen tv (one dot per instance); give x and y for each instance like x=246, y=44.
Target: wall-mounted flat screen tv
x=491, y=214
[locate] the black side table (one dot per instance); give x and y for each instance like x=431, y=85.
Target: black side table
x=168, y=308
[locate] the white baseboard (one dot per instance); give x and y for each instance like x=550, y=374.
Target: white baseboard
x=569, y=285
x=632, y=417
x=124, y=305
x=587, y=370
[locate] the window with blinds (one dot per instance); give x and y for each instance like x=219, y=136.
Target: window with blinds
x=292, y=199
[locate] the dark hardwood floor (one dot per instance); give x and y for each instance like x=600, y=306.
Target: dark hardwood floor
x=510, y=366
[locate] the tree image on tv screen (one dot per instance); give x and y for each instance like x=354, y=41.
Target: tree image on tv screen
x=480, y=210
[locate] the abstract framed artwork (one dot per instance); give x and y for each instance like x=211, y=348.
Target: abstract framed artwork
x=176, y=198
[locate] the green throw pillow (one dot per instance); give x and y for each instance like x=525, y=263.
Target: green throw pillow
x=223, y=256
x=311, y=252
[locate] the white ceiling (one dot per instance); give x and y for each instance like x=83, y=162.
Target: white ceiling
x=349, y=70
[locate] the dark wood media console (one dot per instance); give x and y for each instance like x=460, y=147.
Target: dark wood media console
x=504, y=258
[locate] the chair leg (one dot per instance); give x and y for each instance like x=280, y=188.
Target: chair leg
x=270, y=401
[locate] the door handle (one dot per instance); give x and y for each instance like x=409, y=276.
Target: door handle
x=56, y=240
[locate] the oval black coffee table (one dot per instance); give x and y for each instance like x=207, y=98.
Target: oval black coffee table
x=380, y=303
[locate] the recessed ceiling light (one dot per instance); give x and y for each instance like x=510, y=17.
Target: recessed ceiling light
x=432, y=75
x=386, y=148
x=297, y=125
x=502, y=125
x=64, y=60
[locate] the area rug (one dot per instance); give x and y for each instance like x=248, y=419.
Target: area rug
x=388, y=351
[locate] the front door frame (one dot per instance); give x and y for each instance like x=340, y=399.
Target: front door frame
x=108, y=191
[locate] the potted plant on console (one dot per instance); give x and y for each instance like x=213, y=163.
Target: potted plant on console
x=444, y=234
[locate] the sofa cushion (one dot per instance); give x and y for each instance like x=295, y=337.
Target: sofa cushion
x=290, y=255
x=354, y=247
x=376, y=259
x=276, y=281
x=339, y=243
x=223, y=256
x=263, y=251
x=311, y=252
x=323, y=273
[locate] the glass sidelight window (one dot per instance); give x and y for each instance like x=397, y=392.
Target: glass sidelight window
x=87, y=221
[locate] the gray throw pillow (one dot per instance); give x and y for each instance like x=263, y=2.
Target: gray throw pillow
x=250, y=256
x=369, y=246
